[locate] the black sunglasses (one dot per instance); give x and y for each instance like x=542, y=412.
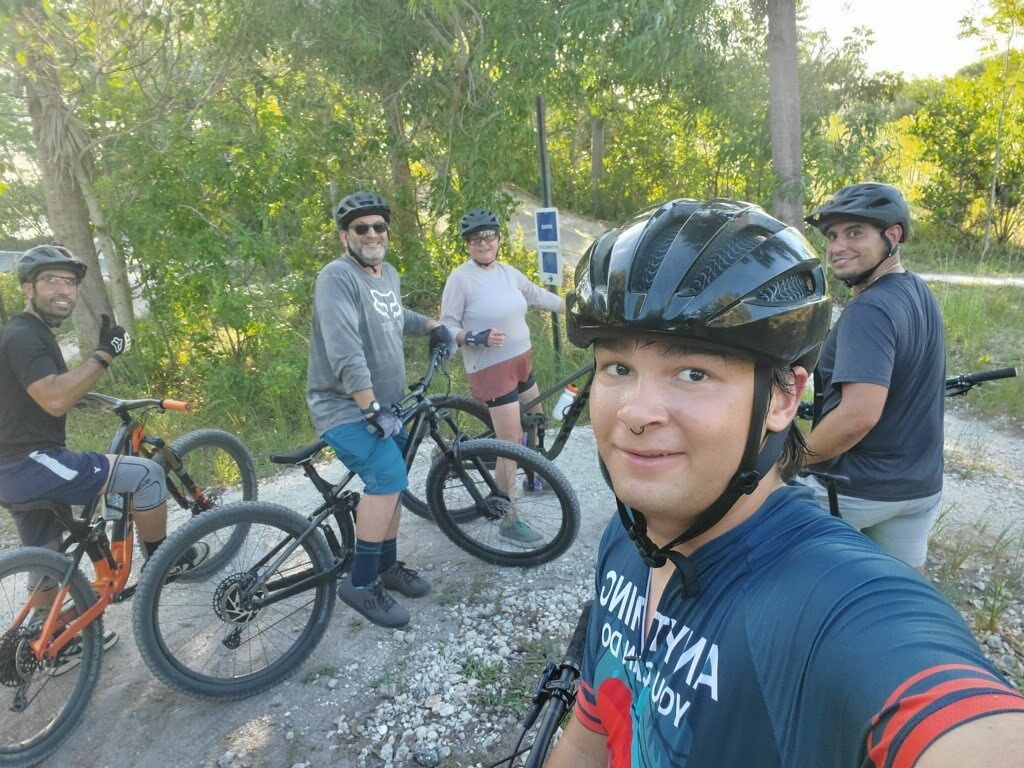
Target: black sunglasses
x=361, y=229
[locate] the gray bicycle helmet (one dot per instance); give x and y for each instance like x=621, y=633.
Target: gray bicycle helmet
x=42, y=257
x=477, y=219
x=360, y=204
x=880, y=204
x=721, y=273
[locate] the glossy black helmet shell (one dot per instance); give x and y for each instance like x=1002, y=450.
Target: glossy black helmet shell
x=48, y=256
x=880, y=204
x=722, y=272
x=360, y=204
x=477, y=219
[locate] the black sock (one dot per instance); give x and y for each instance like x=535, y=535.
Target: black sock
x=151, y=546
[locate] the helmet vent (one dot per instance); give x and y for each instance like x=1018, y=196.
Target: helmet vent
x=792, y=289
x=720, y=255
x=641, y=279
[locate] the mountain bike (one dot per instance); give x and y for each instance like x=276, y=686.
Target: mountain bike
x=474, y=421
x=243, y=629
x=49, y=610
x=205, y=468
x=960, y=384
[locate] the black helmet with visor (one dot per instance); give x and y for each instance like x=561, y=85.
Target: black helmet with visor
x=34, y=260
x=477, y=220
x=360, y=204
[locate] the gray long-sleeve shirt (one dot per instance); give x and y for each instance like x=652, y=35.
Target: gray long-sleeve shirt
x=356, y=341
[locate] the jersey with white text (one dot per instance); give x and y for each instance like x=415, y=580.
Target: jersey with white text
x=807, y=646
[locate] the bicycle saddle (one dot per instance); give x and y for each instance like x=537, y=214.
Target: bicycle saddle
x=299, y=455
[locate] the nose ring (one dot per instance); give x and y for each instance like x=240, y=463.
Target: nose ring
x=640, y=432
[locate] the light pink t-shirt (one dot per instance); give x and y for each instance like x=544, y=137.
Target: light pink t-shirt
x=476, y=299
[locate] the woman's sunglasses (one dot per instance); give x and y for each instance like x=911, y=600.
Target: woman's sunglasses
x=361, y=229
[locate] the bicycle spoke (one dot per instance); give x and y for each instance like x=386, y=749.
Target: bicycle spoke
x=39, y=708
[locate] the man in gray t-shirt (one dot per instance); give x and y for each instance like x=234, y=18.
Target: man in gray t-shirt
x=356, y=372
x=880, y=378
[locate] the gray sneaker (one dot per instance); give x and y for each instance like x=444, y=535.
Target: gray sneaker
x=519, y=532
x=373, y=602
x=404, y=580
x=71, y=655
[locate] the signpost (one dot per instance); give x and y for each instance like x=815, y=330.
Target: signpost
x=549, y=246
x=549, y=254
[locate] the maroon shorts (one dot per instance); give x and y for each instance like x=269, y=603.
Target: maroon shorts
x=498, y=380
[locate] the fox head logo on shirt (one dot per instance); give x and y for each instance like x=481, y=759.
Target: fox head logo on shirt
x=386, y=304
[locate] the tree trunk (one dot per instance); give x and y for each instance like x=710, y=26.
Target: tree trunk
x=784, y=112
x=57, y=150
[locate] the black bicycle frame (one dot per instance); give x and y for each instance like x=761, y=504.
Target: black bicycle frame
x=538, y=421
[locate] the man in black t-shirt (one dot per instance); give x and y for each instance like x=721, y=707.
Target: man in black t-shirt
x=36, y=391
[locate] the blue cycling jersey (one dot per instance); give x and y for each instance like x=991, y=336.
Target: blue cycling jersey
x=807, y=646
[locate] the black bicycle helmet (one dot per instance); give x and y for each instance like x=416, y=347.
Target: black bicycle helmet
x=722, y=273
x=360, y=204
x=41, y=257
x=477, y=219
x=880, y=204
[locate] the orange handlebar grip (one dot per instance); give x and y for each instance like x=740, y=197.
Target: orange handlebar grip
x=175, y=405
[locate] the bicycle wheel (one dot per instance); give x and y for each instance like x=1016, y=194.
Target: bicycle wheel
x=223, y=470
x=203, y=637
x=531, y=529
x=472, y=419
x=41, y=708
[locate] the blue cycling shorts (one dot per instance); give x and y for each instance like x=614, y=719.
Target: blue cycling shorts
x=73, y=477
x=379, y=463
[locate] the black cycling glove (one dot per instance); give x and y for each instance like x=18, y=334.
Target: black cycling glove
x=113, y=338
x=442, y=336
x=478, y=339
x=385, y=423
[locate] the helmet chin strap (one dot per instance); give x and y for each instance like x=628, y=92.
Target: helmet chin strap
x=863, y=277
x=757, y=462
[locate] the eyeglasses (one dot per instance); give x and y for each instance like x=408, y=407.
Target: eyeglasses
x=480, y=238
x=71, y=282
x=379, y=227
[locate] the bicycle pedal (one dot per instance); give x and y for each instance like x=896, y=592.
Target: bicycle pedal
x=125, y=594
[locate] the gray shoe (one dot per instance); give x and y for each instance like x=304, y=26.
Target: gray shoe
x=193, y=557
x=373, y=602
x=404, y=580
x=519, y=532
x=71, y=655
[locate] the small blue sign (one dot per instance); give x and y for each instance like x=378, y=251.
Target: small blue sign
x=549, y=264
x=547, y=227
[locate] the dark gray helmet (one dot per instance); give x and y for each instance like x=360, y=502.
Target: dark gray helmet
x=880, y=204
x=477, y=219
x=42, y=257
x=722, y=272
x=360, y=204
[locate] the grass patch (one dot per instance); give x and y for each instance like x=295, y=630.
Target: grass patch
x=985, y=330
x=312, y=675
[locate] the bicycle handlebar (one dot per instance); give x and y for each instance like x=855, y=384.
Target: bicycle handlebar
x=955, y=385
x=969, y=380
x=559, y=693
x=118, y=404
